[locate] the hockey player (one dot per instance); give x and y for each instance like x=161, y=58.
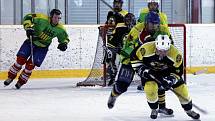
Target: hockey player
x=125, y=74
x=114, y=17
x=40, y=30
x=161, y=64
x=116, y=42
x=153, y=5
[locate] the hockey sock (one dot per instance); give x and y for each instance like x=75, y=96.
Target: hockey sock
x=26, y=73
x=161, y=99
x=16, y=67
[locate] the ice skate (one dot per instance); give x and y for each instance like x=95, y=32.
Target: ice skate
x=111, y=82
x=7, y=81
x=154, y=114
x=18, y=85
x=193, y=114
x=140, y=87
x=165, y=111
x=111, y=101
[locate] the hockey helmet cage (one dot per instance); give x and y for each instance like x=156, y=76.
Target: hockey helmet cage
x=162, y=42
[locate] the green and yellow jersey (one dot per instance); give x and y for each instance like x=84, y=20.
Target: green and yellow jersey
x=163, y=17
x=135, y=38
x=44, y=30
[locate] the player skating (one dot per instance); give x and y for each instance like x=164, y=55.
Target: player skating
x=146, y=31
x=161, y=64
x=40, y=30
x=153, y=5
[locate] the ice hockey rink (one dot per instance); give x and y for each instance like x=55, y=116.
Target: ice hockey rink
x=60, y=100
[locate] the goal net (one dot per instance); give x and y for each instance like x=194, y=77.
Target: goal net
x=98, y=75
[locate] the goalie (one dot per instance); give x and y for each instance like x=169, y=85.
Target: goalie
x=161, y=65
x=115, y=20
x=115, y=16
x=116, y=42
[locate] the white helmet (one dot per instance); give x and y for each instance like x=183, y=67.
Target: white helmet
x=162, y=42
x=156, y=1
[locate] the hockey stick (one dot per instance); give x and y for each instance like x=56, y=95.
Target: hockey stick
x=32, y=53
x=179, y=95
x=108, y=5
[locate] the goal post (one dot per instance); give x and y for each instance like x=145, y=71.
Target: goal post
x=98, y=73
x=179, y=36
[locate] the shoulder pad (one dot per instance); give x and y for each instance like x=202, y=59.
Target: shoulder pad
x=40, y=15
x=120, y=25
x=144, y=10
x=175, y=55
x=134, y=33
x=60, y=25
x=123, y=12
x=146, y=50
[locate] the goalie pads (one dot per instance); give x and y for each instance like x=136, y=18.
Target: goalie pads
x=124, y=78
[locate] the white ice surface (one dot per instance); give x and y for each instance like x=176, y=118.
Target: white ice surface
x=60, y=100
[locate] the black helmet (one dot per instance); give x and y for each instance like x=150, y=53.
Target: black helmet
x=117, y=7
x=120, y=1
x=130, y=20
x=55, y=11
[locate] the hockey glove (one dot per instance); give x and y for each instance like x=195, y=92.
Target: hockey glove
x=30, y=32
x=62, y=46
x=109, y=54
x=167, y=83
x=145, y=73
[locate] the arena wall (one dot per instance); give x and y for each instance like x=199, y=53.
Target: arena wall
x=78, y=59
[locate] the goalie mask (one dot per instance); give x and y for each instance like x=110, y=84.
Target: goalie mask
x=129, y=20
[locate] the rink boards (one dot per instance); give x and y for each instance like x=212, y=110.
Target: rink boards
x=78, y=59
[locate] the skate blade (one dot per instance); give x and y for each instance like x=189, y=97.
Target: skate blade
x=164, y=115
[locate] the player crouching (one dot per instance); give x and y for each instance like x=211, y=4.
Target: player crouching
x=161, y=64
